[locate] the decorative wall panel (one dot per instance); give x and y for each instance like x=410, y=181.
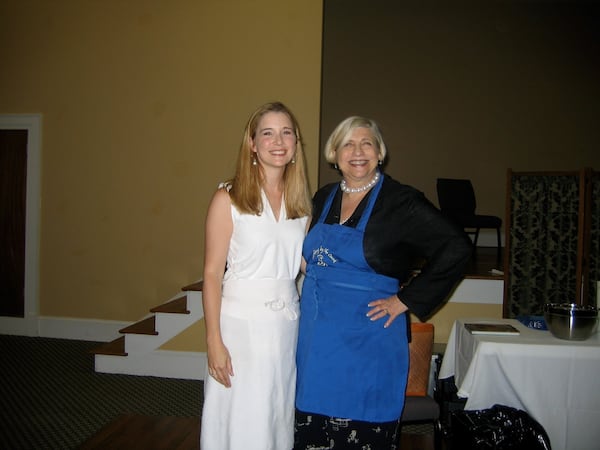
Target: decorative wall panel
x=546, y=236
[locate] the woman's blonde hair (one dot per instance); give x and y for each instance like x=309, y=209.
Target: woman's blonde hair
x=342, y=132
x=247, y=181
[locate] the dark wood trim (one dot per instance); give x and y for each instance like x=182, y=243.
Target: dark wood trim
x=144, y=326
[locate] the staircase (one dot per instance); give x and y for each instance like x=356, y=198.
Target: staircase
x=138, y=351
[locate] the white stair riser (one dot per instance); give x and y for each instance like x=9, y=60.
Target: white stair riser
x=142, y=343
x=167, y=364
x=194, y=303
x=172, y=324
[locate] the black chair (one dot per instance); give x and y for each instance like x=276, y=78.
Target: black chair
x=419, y=407
x=457, y=201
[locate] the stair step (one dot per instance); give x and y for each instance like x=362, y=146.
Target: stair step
x=177, y=306
x=145, y=326
x=115, y=348
x=197, y=286
x=142, y=337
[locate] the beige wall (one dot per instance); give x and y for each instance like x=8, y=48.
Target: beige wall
x=467, y=89
x=144, y=102
x=143, y=105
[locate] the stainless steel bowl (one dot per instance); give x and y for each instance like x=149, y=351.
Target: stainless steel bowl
x=570, y=321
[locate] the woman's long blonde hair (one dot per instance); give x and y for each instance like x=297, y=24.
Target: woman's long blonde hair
x=247, y=181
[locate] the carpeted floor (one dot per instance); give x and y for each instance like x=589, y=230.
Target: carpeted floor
x=52, y=398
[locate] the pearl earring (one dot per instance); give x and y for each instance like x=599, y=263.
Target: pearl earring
x=254, y=163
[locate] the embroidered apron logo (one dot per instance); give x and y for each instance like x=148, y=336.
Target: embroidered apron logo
x=321, y=255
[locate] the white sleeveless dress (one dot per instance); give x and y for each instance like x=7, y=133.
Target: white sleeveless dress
x=259, y=325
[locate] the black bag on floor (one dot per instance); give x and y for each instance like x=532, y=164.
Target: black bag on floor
x=499, y=428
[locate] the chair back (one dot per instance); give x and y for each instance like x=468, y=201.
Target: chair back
x=420, y=350
x=456, y=197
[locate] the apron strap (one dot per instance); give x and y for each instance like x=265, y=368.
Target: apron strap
x=327, y=205
x=362, y=224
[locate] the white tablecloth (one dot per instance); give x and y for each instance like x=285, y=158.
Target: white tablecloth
x=556, y=381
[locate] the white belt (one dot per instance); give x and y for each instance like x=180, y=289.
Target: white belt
x=289, y=308
x=249, y=299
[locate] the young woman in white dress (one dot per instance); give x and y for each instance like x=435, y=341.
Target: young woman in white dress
x=253, y=249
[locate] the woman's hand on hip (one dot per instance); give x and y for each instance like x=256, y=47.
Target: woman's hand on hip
x=391, y=306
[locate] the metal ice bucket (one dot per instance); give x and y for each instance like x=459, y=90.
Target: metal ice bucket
x=571, y=321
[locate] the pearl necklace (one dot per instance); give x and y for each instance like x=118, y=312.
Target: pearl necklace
x=364, y=188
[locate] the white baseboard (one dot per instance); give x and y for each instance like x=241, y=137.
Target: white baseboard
x=82, y=329
x=19, y=326
x=63, y=328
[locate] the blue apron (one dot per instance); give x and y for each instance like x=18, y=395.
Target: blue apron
x=348, y=366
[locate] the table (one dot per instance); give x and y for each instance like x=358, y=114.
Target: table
x=556, y=381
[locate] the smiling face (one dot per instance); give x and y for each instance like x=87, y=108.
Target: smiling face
x=358, y=157
x=274, y=142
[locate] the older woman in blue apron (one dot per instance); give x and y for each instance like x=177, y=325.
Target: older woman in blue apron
x=366, y=233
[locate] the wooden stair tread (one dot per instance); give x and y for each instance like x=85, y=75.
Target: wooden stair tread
x=177, y=306
x=116, y=348
x=197, y=286
x=144, y=326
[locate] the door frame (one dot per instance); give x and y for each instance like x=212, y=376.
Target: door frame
x=33, y=124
